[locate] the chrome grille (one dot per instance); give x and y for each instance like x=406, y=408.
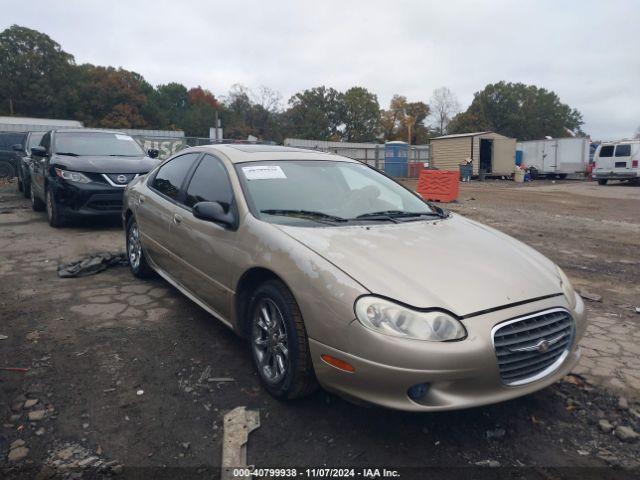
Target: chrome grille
x=531, y=347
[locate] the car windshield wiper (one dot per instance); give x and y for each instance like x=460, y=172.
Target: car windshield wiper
x=68, y=154
x=304, y=213
x=385, y=214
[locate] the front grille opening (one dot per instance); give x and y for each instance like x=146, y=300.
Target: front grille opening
x=534, y=346
x=105, y=205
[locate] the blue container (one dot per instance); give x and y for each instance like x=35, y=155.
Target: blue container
x=518, y=157
x=396, y=155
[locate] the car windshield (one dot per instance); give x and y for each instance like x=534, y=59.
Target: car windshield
x=34, y=139
x=326, y=192
x=96, y=144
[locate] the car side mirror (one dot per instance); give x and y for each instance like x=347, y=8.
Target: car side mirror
x=213, y=212
x=39, y=151
x=17, y=147
x=153, y=153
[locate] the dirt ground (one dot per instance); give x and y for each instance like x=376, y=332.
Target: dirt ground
x=129, y=377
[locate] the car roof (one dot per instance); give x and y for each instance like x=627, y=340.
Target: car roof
x=86, y=130
x=239, y=153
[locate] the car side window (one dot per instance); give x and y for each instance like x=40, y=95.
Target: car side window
x=46, y=141
x=170, y=176
x=210, y=183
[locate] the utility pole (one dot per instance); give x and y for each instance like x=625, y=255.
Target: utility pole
x=11, y=105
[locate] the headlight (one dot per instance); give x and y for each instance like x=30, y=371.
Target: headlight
x=72, y=176
x=390, y=318
x=567, y=288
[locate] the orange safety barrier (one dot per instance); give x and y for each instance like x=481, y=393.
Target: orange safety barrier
x=439, y=185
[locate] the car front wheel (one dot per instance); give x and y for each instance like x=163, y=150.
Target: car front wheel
x=279, y=344
x=36, y=203
x=137, y=260
x=603, y=181
x=53, y=212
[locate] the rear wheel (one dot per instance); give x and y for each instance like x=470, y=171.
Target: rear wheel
x=36, y=203
x=137, y=260
x=562, y=176
x=26, y=188
x=279, y=343
x=20, y=184
x=54, y=216
x=602, y=181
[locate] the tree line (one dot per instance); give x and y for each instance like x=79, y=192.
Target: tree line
x=38, y=78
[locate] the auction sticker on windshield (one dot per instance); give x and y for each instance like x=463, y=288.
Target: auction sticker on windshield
x=263, y=172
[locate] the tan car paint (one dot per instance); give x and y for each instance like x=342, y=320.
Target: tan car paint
x=466, y=267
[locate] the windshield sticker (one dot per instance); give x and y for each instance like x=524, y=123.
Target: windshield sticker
x=263, y=172
x=124, y=137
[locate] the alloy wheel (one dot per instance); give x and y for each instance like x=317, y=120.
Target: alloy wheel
x=269, y=341
x=135, y=249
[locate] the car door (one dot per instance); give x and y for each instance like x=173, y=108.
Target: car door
x=622, y=158
x=39, y=167
x=154, y=209
x=206, y=249
x=604, y=159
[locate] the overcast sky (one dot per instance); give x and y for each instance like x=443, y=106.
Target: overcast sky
x=586, y=51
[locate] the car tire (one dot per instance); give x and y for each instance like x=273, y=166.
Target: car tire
x=56, y=220
x=135, y=253
x=26, y=189
x=602, y=181
x=279, y=343
x=37, y=204
x=562, y=176
x=20, y=184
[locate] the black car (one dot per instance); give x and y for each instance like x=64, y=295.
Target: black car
x=8, y=155
x=31, y=139
x=84, y=172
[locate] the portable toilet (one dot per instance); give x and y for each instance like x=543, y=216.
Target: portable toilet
x=518, y=157
x=396, y=155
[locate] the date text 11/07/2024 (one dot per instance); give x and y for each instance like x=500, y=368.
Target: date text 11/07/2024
x=323, y=472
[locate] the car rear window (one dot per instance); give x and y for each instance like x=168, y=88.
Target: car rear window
x=623, y=150
x=7, y=140
x=606, y=151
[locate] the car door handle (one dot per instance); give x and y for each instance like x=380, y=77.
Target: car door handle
x=140, y=198
x=177, y=219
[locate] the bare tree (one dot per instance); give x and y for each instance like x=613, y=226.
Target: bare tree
x=444, y=105
x=267, y=98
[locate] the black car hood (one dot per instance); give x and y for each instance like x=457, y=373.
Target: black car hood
x=95, y=164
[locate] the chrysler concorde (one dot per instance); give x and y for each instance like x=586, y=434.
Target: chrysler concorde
x=340, y=277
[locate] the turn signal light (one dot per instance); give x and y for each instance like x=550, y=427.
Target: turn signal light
x=339, y=364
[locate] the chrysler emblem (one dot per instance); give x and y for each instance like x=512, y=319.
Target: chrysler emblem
x=121, y=178
x=541, y=347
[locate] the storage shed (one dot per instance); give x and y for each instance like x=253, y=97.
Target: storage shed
x=490, y=151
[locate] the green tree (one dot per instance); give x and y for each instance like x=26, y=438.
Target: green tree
x=361, y=114
x=201, y=112
x=111, y=98
x=34, y=73
x=525, y=112
x=168, y=105
x=315, y=113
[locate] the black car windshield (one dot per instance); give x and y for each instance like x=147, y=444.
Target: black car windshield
x=34, y=139
x=97, y=144
x=325, y=192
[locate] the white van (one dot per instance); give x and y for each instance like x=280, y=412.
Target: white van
x=617, y=161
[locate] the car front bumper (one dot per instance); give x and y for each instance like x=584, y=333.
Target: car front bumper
x=460, y=374
x=90, y=199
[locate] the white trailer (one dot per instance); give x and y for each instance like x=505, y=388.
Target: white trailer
x=556, y=157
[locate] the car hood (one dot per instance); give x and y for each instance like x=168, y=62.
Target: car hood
x=456, y=264
x=106, y=164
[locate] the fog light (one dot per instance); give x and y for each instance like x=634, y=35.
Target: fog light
x=418, y=392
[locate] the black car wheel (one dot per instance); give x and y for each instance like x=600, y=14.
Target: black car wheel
x=53, y=212
x=279, y=344
x=20, y=184
x=26, y=188
x=602, y=181
x=36, y=203
x=137, y=260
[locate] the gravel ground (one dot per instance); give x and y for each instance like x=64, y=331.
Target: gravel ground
x=131, y=378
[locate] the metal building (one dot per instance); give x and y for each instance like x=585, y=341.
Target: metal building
x=30, y=124
x=490, y=151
